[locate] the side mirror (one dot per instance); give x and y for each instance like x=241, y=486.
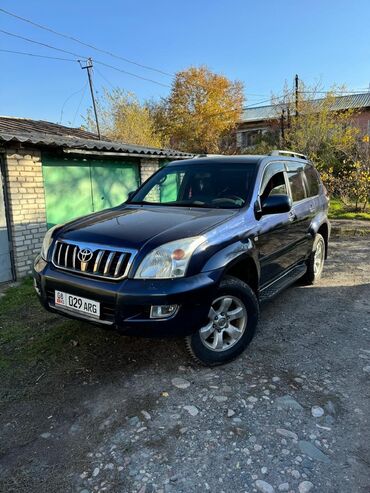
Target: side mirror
x=130, y=195
x=275, y=204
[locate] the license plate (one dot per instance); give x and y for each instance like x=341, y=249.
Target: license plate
x=77, y=303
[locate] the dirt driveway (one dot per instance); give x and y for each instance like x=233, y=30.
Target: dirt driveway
x=83, y=410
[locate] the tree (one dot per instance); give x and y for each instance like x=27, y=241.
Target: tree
x=326, y=136
x=201, y=109
x=353, y=182
x=122, y=117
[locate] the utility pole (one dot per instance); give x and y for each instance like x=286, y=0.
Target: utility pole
x=296, y=94
x=282, y=118
x=88, y=67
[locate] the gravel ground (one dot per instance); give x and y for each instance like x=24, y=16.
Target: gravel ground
x=291, y=414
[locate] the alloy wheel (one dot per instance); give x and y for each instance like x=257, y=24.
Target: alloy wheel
x=227, y=322
x=319, y=256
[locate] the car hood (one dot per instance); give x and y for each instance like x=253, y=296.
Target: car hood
x=132, y=226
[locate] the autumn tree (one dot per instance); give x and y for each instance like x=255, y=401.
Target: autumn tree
x=321, y=132
x=201, y=109
x=122, y=117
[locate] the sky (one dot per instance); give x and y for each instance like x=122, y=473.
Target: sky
x=262, y=43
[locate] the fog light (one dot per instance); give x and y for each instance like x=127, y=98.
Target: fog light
x=162, y=311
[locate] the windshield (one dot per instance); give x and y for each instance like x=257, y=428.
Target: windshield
x=224, y=186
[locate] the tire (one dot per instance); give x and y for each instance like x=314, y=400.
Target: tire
x=234, y=302
x=315, y=265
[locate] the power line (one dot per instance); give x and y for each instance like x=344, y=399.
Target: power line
x=79, y=105
x=79, y=56
x=67, y=99
x=29, y=40
x=72, y=38
x=106, y=52
x=37, y=55
x=103, y=77
x=129, y=73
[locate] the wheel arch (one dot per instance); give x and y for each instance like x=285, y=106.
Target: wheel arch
x=245, y=269
x=239, y=260
x=324, y=232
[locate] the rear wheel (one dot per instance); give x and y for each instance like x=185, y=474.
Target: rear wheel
x=232, y=321
x=315, y=263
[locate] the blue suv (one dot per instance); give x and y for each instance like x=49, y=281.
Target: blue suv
x=193, y=252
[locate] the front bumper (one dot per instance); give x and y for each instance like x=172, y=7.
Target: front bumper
x=125, y=305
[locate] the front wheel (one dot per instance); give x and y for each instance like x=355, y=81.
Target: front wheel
x=232, y=321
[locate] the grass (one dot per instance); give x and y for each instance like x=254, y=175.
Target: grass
x=34, y=343
x=338, y=210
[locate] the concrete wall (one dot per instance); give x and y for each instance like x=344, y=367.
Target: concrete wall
x=24, y=182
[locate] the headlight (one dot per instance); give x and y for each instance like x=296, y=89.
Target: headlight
x=47, y=241
x=169, y=260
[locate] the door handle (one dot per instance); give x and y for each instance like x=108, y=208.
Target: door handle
x=312, y=208
x=292, y=216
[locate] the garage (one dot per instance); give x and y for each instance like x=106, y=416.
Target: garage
x=52, y=174
x=76, y=187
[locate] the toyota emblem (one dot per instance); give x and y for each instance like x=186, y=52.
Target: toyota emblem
x=84, y=255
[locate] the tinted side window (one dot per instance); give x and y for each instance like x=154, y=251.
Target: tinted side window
x=275, y=186
x=271, y=170
x=296, y=185
x=312, y=180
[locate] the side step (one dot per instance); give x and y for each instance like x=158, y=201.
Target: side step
x=283, y=282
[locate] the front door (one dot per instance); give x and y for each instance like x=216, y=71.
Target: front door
x=5, y=261
x=273, y=236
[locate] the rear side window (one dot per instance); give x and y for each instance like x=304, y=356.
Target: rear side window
x=296, y=185
x=295, y=177
x=313, y=181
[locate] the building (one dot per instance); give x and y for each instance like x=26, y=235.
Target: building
x=51, y=174
x=261, y=120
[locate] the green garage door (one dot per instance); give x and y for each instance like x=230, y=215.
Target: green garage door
x=75, y=187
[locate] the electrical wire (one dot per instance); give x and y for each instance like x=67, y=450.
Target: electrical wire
x=37, y=55
x=79, y=105
x=130, y=73
x=103, y=77
x=78, y=56
x=72, y=38
x=29, y=40
x=106, y=52
x=66, y=101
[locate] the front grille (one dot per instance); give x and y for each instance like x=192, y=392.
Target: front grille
x=101, y=262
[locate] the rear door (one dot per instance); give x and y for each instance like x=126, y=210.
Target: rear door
x=302, y=211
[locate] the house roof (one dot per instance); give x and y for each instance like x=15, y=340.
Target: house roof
x=39, y=132
x=273, y=111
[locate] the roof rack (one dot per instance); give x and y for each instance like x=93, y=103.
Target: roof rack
x=278, y=152
x=198, y=156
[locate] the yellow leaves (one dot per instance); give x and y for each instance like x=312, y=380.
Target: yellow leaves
x=202, y=106
x=124, y=118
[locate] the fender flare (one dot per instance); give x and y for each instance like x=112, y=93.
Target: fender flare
x=231, y=255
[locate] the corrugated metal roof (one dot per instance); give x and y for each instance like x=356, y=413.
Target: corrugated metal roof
x=273, y=111
x=27, y=131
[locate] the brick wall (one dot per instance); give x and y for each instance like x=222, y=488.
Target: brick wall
x=147, y=168
x=27, y=206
